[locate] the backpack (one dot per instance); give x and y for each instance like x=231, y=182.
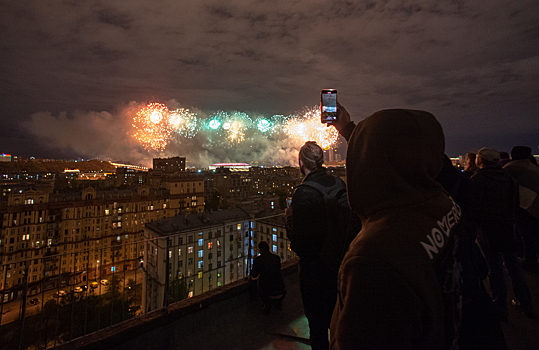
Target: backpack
x=342, y=225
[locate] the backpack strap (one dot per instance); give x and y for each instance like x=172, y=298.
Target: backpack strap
x=335, y=191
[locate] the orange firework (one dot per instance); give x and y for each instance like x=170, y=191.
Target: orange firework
x=152, y=127
x=309, y=128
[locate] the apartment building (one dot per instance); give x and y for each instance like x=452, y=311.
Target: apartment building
x=169, y=165
x=207, y=250
x=51, y=240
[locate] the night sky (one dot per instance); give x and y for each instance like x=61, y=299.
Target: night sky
x=70, y=69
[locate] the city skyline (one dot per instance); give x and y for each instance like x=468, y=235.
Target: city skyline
x=71, y=71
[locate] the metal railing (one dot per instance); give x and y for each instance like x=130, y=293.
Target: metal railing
x=48, y=305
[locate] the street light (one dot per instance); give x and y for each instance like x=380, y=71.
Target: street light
x=96, y=267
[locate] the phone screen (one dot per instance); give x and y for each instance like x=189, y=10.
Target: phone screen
x=328, y=105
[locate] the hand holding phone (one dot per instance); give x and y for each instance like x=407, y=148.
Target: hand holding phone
x=328, y=106
x=343, y=118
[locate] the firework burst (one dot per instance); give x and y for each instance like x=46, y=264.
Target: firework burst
x=183, y=122
x=236, y=126
x=152, y=127
x=309, y=128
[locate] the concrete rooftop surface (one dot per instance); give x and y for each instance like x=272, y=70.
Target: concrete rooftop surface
x=234, y=320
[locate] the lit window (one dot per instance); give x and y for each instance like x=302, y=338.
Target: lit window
x=170, y=253
x=200, y=253
x=113, y=268
x=190, y=250
x=239, y=226
x=274, y=237
x=118, y=238
x=201, y=242
x=210, y=245
x=200, y=264
x=274, y=248
x=179, y=252
x=106, y=212
x=274, y=229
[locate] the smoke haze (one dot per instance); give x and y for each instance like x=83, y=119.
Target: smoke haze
x=109, y=136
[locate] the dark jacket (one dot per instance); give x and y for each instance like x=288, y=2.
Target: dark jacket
x=526, y=175
x=399, y=283
x=308, y=228
x=496, y=196
x=495, y=202
x=268, y=267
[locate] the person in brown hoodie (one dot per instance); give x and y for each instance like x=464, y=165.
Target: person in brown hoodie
x=399, y=283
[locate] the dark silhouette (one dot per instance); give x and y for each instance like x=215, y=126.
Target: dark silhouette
x=399, y=283
x=469, y=167
x=480, y=327
x=318, y=240
x=495, y=202
x=526, y=173
x=504, y=159
x=267, y=267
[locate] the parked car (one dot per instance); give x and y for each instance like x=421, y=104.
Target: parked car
x=94, y=285
x=34, y=301
x=78, y=290
x=59, y=294
x=104, y=282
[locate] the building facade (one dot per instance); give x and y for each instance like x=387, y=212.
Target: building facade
x=206, y=251
x=51, y=240
x=169, y=165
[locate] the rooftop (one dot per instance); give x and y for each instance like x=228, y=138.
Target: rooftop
x=231, y=318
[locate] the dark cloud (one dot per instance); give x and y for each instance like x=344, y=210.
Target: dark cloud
x=470, y=63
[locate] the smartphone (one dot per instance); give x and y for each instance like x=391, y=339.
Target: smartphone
x=328, y=106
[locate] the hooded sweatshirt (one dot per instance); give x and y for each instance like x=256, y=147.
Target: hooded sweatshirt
x=399, y=283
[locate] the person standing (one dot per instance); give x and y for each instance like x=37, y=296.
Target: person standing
x=526, y=173
x=399, y=283
x=319, y=244
x=496, y=199
x=470, y=167
x=267, y=269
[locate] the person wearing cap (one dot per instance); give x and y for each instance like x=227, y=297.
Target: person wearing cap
x=524, y=170
x=496, y=199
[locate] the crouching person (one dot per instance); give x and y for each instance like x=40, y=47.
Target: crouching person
x=267, y=269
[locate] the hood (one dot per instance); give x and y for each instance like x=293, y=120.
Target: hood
x=392, y=159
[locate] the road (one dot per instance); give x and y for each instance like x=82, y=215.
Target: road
x=12, y=309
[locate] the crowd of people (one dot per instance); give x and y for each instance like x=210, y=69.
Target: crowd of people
x=409, y=270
